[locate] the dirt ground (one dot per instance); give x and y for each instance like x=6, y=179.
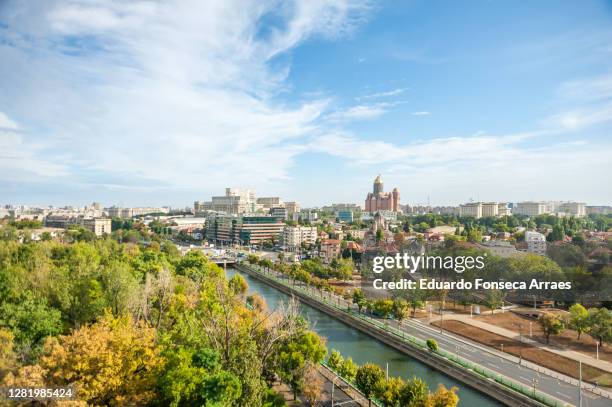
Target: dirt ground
x=566, y=340
x=550, y=360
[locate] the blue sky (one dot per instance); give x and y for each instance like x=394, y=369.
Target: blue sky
x=146, y=103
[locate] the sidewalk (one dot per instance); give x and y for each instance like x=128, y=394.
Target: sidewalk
x=577, y=356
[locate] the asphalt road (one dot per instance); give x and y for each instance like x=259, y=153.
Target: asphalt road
x=477, y=353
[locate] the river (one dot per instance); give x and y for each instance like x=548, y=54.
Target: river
x=362, y=348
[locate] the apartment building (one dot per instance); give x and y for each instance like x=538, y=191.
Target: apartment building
x=234, y=202
x=244, y=229
x=536, y=242
x=330, y=249
x=473, y=209
x=295, y=236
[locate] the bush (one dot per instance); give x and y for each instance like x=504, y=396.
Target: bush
x=432, y=345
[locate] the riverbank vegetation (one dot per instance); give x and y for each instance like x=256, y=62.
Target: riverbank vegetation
x=128, y=324
x=371, y=380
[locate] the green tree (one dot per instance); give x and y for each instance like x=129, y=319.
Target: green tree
x=400, y=310
x=383, y=308
x=388, y=391
x=335, y=360
x=358, y=298
x=368, y=378
x=578, y=319
x=414, y=393
x=432, y=345
x=600, y=320
x=238, y=285
x=348, y=370
x=493, y=300
x=551, y=325
x=294, y=356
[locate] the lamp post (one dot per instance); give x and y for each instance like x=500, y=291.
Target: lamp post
x=520, y=327
x=535, y=382
x=332, y=392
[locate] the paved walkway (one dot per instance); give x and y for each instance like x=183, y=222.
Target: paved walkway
x=577, y=356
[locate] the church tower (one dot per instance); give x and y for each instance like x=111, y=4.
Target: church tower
x=378, y=186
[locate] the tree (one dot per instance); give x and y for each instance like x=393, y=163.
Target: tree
x=113, y=361
x=600, y=320
x=551, y=325
x=8, y=358
x=388, y=391
x=379, y=235
x=400, y=310
x=443, y=397
x=383, y=308
x=493, y=300
x=432, y=345
x=348, y=370
x=313, y=385
x=253, y=259
x=368, y=378
x=414, y=393
x=335, y=360
x=358, y=298
x=294, y=356
x=578, y=319
x=238, y=285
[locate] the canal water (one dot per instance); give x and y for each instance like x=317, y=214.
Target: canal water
x=362, y=348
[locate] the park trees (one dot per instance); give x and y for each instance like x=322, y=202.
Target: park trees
x=600, y=321
x=296, y=354
x=113, y=361
x=578, y=319
x=400, y=310
x=551, y=325
x=358, y=298
x=368, y=378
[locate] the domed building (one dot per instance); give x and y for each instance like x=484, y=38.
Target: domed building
x=378, y=200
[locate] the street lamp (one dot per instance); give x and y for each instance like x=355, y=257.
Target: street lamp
x=535, y=382
x=520, y=327
x=332, y=392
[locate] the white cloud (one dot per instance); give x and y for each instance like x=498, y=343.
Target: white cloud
x=177, y=93
x=420, y=113
x=389, y=93
x=581, y=118
x=6, y=123
x=359, y=112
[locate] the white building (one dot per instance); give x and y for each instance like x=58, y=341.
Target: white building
x=99, y=226
x=536, y=242
x=503, y=209
x=531, y=208
x=490, y=209
x=235, y=201
x=473, y=209
x=294, y=236
x=573, y=208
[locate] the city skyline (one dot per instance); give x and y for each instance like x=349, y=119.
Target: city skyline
x=142, y=104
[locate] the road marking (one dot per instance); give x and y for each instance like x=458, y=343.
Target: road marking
x=525, y=378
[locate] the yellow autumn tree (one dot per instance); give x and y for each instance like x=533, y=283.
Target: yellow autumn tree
x=443, y=397
x=111, y=362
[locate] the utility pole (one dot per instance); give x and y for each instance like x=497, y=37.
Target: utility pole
x=580, y=385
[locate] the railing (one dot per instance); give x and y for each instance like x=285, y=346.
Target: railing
x=352, y=384
x=413, y=341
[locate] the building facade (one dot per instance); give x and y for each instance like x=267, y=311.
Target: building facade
x=246, y=230
x=536, y=242
x=378, y=200
x=234, y=202
x=295, y=236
